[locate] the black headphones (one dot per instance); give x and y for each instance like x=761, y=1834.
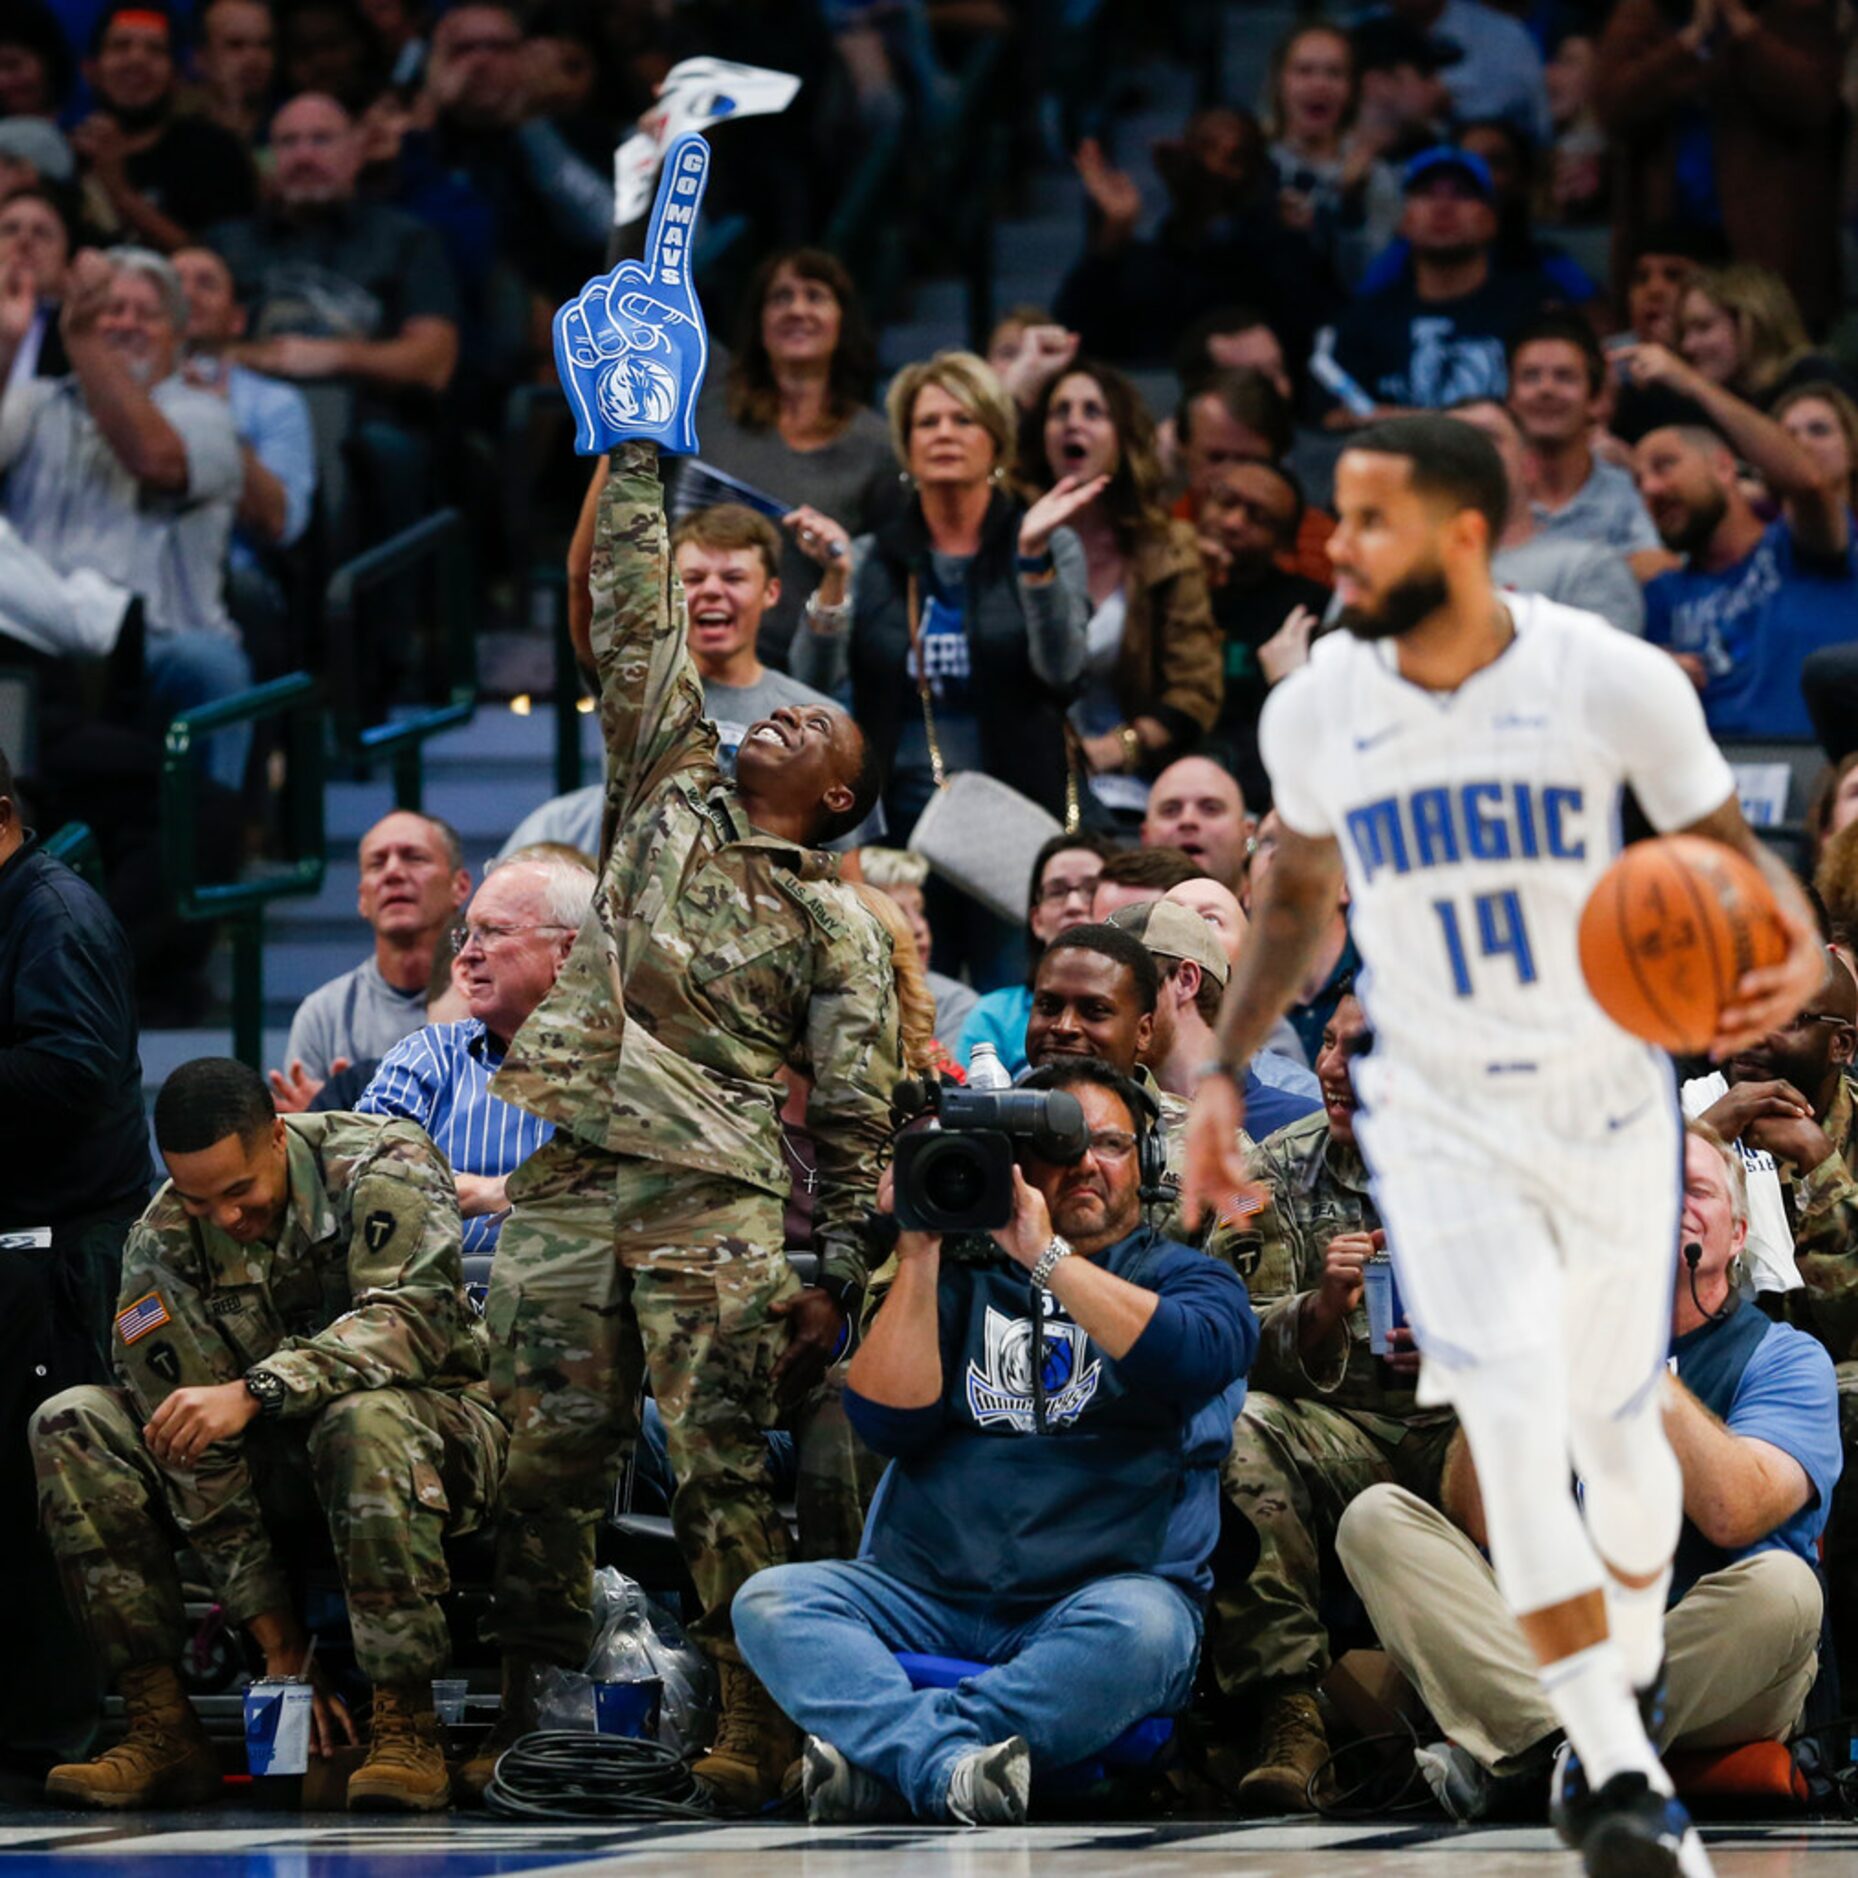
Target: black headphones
x=1144, y=1111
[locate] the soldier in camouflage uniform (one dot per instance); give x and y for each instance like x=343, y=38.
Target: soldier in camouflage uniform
x=1321, y=1424
x=646, y=1237
x=1791, y=1096
x=292, y=1340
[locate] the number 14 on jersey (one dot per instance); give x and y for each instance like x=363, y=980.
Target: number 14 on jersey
x=1494, y=922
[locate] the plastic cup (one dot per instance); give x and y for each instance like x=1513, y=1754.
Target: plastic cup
x=448, y=1699
x=626, y=1708
x=277, y=1727
x=1377, y=1283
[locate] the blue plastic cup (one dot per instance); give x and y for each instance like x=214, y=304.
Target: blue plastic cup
x=626, y=1708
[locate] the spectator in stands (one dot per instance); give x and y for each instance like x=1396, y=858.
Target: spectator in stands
x=1022, y=328
x=964, y=632
x=1740, y=328
x=1152, y=672
x=1218, y=906
x=1334, y=1419
x=519, y=928
x=413, y=878
x=1753, y=1419
x=326, y=47
x=1332, y=970
x=1667, y=261
x=726, y=557
x=125, y=471
x=446, y=1003
x=1130, y=298
x=1196, y=806
x=1833, y=809
x=276, y=446
x=1820, y=417
x=1561, y=567
x=1329, y=159
x=1727, y=118
x=1252, y=513
x=1064, y=877
x=792, y=416
x=923, y=1051
x=1136, y=876
x=1558, y=399
x=1751, y=601
x=36, y=67
x=1405, y=102
x=1576, y=184
x=1092, y=1629
x=1436, y=336
x=158, y=178
x=1499, y=72
x=236, y=64
x=35, y=239
x=1512, y=161
x=34, y=155
x=1233, y=338
x=900, y=875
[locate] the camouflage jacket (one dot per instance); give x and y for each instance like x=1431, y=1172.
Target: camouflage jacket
x=713, y=955
x=1318, y=1189
x=363, y=1290
x=1822, y=1205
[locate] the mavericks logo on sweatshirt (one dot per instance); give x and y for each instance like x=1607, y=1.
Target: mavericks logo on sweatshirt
x=1002, y=1391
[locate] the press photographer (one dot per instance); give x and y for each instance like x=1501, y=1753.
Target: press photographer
x=1055, y=1421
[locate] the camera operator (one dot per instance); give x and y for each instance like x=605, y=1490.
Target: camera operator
x=1051, y=1503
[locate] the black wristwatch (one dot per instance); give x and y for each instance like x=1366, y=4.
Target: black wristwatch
x=267, y=1390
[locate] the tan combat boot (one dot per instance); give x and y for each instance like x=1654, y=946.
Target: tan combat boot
x=754, y=1746
x=405, y=1768
x=1292, y=1749
x=164, y=1760
x=517, y=1717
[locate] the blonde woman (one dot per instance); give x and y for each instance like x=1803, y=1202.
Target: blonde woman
x=902, y=876
x=1740, y=327
x=1823, y=421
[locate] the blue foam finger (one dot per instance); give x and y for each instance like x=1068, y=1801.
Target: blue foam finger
x=631, y=347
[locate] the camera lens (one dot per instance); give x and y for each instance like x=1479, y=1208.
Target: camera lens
x=955, y=1180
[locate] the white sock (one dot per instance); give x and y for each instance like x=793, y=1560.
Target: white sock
x=1635, y=1621
x=1592, y=1695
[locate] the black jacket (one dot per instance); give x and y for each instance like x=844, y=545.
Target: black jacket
x=73, y=1138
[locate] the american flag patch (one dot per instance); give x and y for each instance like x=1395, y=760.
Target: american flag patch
x=144, y=1315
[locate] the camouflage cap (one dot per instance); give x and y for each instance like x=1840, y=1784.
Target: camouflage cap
x=1172, y=931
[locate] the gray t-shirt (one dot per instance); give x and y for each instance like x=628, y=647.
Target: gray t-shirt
x=1576, y=573
x=359, y=1016
x=72, y=500
x=1606, y=510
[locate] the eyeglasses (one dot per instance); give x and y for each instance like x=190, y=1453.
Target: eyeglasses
x=484, y=937
x=1114, y=1144
x=1815, y=1017
x=1057, y=892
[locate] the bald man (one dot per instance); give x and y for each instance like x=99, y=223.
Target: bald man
x=1196, y=806
x=413, y=881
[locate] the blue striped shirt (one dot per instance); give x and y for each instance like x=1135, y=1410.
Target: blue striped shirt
x=440, y=1078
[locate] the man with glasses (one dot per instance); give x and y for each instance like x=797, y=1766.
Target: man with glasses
x=521, y=925
x=1064, y=877
x=1060, y=1533
x=1791, y=1097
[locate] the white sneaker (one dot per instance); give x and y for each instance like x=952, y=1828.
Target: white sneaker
x=837, y=1792
x=989, y=1787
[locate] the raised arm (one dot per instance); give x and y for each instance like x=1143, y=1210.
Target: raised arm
x=140, y=438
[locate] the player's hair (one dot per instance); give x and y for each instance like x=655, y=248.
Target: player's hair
x=886, y=868
x=726, y=527
x=972, y=383
x=1450, y=460
x=754, y=398
x=1111, y=942
x=208, y=1099
x=1159, y=867
x=1732, y=1166
x=1567, y=329
x=915, y=1001
x=1247, y=396
x=866, y=782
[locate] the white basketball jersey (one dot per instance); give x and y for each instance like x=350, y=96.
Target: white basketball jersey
x=1474, y=824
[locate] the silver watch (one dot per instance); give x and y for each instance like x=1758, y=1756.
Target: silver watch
x=1048, y=1261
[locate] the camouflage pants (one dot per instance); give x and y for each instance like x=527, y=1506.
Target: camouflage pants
x=394, y=1471
x=1842, y=1536
x=1293, y=1469
x=838, y=1475
x=609, y=1267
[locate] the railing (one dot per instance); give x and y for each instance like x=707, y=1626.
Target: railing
x=436, y=547
x=76, y=846
x=297, y=700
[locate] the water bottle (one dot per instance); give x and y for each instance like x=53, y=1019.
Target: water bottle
x=985, y=1070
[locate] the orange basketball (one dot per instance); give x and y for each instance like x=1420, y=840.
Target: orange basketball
x=1668, y=932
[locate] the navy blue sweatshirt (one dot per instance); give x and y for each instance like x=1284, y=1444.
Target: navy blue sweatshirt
x=983, y=1502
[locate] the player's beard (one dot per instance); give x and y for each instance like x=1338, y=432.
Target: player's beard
x=1402, y=607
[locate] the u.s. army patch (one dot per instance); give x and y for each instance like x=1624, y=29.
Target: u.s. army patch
x=146, y=1314
x=378, y=1228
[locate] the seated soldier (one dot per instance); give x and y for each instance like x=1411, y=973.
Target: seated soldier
x=1753, y=1419
x=1333, y=1421
x=291, y=1326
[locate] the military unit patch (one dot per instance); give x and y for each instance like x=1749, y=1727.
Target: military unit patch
x=144, y=1315
x=378, y=1229
x=163, y=1359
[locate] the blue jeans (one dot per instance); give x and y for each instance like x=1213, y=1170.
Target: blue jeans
x=1070, y=1677
x=189, y=668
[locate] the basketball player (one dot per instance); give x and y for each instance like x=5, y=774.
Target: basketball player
x=1460, y=755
